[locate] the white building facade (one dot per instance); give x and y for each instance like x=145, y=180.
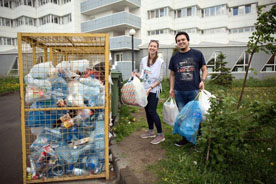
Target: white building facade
x=211, y=25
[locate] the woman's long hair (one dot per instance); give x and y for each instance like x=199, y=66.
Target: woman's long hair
x=156, y=56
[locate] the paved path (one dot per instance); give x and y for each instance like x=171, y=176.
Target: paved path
x=11, y=171
x=10, y=140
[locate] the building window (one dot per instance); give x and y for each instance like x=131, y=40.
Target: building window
x=119, y=56
x=67, y=18
x=242, y=63
x=248, y=9
x=159, y=31
x=185, y=12
x=270, y=65
x=214, y=31
x=6, y=22
x=189, y=31
x=213, y=11
x=161, y=12
x=211, y=63
x=13, y=71
x=235, y=11
x=6, y=3
x=8, y=41
x=241, y=10
x=242, y=29
x=39, y=59
x=55, y=19
x=66, y=1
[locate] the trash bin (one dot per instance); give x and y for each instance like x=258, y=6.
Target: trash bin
x=65, y=106
x=115, y=91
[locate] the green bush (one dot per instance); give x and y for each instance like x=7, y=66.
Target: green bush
x=233, y=139
x=9, y=84
x=242, y=145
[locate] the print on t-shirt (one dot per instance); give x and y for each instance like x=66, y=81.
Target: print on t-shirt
x=186, y=68
x=147, y=72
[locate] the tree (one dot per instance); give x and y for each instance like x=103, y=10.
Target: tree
x=223, y=75
x=174, y=51
x=263, y=38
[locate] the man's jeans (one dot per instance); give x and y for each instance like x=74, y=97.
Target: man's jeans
x=183, y=97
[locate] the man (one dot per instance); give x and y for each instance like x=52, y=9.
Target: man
x=185, y=80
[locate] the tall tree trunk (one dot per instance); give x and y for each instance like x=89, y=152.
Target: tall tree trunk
x=245, y=77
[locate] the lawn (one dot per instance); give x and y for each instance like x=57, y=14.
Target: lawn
x=240, y=143
x=8, y=84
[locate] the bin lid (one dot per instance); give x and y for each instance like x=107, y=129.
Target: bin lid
x=116, y=74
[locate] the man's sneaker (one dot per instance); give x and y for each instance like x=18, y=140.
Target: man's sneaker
x=148, y=134
x=158, y=139
x=181, y=143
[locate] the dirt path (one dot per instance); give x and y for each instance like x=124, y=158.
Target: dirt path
x=140, y=153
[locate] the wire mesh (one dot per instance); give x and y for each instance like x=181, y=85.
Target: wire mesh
x=65, y=113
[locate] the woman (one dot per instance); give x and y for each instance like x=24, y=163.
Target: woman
x=151, y=68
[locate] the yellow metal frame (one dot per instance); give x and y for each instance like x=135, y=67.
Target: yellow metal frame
x=66, y=46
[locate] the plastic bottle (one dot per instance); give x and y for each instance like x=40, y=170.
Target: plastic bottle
x=99, y=145
x=57, y=170
x=33, y=167
x=79, y=172
x=92, y=164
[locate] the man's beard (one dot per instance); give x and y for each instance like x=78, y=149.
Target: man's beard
x=183, y=49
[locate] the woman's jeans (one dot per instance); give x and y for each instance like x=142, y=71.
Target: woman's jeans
x=183, y=97
x=152, y=116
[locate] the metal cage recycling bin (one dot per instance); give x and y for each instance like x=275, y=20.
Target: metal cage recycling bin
x=65, y=106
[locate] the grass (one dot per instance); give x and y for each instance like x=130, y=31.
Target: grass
x=252, y=82
x=8, y=84
x=127, y=123
x=183, y=164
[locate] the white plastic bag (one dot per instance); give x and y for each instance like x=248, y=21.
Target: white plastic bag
x=204, y=102
x=34, y=93
x=79, y=65
x=170, y=111
x=75, y=100
x=42, y=70
x=134, y=93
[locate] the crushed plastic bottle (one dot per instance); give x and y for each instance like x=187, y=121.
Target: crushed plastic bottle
x=79, y=172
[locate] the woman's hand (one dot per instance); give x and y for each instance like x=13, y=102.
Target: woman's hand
x=148, y=91
x=136, y=74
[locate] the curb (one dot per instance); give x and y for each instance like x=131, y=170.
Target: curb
x=123, y=173
x=122, y=170
x=8, y=93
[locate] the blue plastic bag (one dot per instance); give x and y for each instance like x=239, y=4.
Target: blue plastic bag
x=46, y=118
x=188, y=120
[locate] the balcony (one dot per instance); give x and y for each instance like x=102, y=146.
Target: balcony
x=115, y=22
x=123, y=43
x=90, y=7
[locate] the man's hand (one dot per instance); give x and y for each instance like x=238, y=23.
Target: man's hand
x=201, y=85
x=171, y=93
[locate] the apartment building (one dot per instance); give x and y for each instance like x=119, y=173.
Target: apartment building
x=218, y=26
x=32, y=16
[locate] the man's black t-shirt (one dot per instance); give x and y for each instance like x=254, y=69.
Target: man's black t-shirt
x=186, y=67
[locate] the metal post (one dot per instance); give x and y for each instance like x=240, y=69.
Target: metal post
x=132, y=52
